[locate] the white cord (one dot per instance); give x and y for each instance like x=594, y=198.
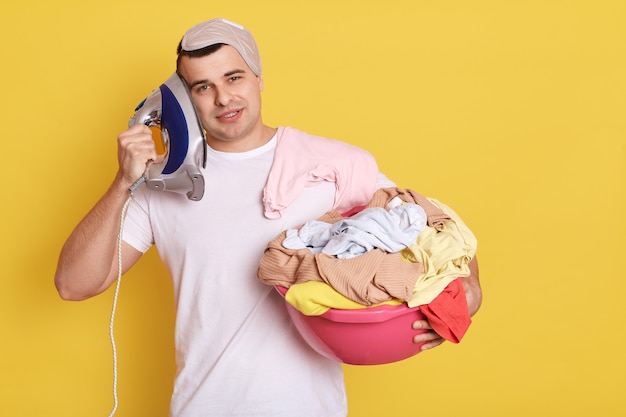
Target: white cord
x=117, y=289
x=114, y=308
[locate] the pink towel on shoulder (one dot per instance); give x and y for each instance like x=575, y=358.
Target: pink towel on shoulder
x=302, y=159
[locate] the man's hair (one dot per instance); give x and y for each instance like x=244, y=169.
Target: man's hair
x=208, y=50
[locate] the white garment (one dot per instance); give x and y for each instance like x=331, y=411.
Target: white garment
x=390, y=230
x=237, y=351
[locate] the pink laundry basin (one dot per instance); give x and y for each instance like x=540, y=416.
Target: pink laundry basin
x=368, y=336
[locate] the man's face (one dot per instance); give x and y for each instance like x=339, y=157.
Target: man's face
x=227, y=96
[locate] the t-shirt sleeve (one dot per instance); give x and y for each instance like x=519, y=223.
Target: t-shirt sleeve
x=137, y=230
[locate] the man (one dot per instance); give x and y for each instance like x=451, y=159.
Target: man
x=236, y=351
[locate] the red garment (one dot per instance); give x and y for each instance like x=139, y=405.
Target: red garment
x=448, y=314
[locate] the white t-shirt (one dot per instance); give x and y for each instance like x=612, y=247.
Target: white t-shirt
x=237, y=351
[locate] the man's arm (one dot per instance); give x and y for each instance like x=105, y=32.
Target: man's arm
x=474, y=295
x=473, y=292
x=88, y=263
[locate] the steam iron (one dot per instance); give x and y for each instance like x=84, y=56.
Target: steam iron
x=171, y=108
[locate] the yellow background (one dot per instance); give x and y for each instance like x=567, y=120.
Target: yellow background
x=511, y=112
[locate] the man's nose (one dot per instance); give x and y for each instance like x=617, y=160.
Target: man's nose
x=222, y=96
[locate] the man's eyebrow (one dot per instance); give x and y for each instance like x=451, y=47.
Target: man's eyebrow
x=233, y=72
x=226, y=75
x=195, y=83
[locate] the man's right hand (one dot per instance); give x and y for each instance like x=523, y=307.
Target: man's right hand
x=136, y=150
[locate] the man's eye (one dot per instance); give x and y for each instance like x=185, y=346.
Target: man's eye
x=202, y=88
x=234, y=78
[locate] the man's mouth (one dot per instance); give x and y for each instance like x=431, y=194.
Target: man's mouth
x=230, y=115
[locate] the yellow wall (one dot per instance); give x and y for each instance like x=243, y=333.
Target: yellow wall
x=512, y=112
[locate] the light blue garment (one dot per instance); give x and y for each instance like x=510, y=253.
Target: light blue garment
x=390, y=230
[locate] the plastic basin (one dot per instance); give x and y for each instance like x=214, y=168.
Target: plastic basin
x=368, y=336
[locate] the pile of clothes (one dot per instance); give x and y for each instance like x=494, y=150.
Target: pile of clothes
x=400, y=248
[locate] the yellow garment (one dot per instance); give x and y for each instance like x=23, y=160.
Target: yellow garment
x=445, y=255
x=314, y=298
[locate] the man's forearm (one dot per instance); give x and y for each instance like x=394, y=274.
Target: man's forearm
x=87, y=258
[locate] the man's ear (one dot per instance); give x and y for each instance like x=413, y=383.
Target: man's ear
x=260, y=77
